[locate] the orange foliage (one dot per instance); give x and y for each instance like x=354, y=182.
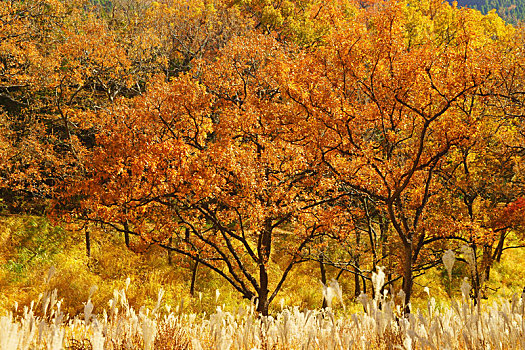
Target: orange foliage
x=232, y=131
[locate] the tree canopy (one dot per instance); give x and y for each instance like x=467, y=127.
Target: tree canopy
x=248, y=134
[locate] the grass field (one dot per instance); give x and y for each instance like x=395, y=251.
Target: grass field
x=142, y=302
x=379, y=325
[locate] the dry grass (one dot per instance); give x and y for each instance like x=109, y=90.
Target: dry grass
x=460, y=326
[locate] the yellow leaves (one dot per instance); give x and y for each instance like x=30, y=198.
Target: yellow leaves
x=225, y=127
x=272, y=16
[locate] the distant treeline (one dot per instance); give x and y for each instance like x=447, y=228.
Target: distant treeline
x=512, y=11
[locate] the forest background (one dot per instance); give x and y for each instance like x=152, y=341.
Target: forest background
x=257, y=147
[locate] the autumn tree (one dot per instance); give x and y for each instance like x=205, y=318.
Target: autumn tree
x=251, y=135
x=489, y=170
x=64, y=60
x=480, y=197
x=185, y=31
x=26, y=28
x=387, y=99
x=303, y=22
x=214, y=170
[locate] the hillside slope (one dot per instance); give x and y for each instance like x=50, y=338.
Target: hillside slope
x=512, y=11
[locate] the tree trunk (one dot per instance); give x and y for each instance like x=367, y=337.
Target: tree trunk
x=262, y=307
x=323, y=278
x=264, y=249
x=499, y=248
x=357, y=289
x=487, y=261
x=126, y=234
x=408, y=277
x=88, y=243
x=371, y=237
x=476, y=285
x=193, y=277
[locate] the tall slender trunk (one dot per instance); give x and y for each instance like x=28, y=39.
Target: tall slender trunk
x=88, y=243
x=475, y=276
x=193, y=277
x=264, y=246
x=387, y=251
x=371, y=236
x=499, y=248
x=408, y=277
x=357, y=290
x=487, y=261
x=126, y=233
x=323, y=278
x=357, y=285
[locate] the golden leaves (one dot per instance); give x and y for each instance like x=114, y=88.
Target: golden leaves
x=202, y=120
